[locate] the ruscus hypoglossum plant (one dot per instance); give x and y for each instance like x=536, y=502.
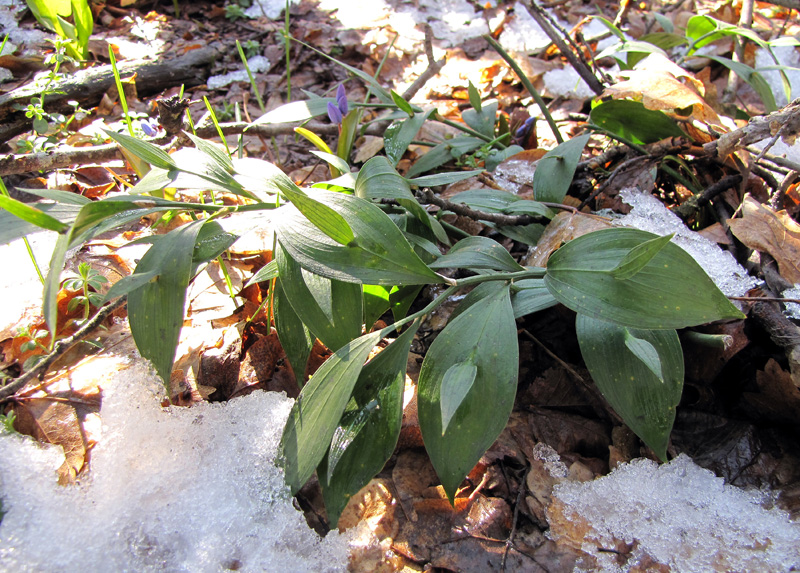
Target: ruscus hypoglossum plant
x=352, y=248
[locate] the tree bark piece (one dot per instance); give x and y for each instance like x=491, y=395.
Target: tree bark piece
x=88, y=86
x=785, y=121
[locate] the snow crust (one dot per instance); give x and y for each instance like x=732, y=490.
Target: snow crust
x=179, y=489
x=650, y=214
x=787, y=56
x=256, y=64
x=792, y=308
x=269, y=8
x=683, y=516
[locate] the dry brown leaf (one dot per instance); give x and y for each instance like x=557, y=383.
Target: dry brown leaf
x=779, y=396
x=564, y=227
x=776, y=233
x=658, y=84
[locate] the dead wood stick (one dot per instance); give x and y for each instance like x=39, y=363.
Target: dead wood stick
x=427, y=196
x=795, y=4
x=433, y=68
x=540, y=16
x=59, y=348
x=786, y=120
x=88, y=86
x=64, y=157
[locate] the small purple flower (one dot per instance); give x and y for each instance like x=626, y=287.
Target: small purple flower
x=525, y=129
x=341, y=99
x=148, y=129
x=338, y=110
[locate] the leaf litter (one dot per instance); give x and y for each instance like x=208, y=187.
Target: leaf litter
x=214, y=463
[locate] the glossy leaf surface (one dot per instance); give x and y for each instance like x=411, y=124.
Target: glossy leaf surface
x=579, y=275
x=486, y=335
x=626, y=376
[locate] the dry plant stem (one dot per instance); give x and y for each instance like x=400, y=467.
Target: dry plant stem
x=786, y=164
x=759, y=129
x=621, y=168
x=433, y=68
x=540, y=16
x=69, y=156
x=552, y=355
x=61, y=346
x=745, y=21
x=783, y=332
x=462, y=210
x=776, y=201
x=690, y=207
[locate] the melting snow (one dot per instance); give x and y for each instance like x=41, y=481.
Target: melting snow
x=256, y=64
x=650, y=214
x=182, y=489
x=683, y=516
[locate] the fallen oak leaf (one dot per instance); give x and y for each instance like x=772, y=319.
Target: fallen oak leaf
x=776, y=233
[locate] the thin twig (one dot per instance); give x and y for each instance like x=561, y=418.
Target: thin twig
x=433, y=68
x=427, y=196
x=583, y=70
x=550, y=353
x=60, y=348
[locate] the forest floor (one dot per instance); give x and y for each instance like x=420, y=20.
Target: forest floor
x=566, y=485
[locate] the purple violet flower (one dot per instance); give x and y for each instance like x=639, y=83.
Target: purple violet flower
x=341, y=99
x=334, y=113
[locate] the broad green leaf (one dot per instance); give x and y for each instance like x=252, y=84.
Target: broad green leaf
x=645, y=401
x=478, y=253
x=155, y=309
x=528, y=207
x=632, y=47
x=456, y=384
x=52, y=284
x=752, y=77
x=367, y=433
x=487, y=330
x=322, y=216
x=496, y=156
x=130, y=283
x=376, y=302
x=333, y=160
x=331, y=309
x=555, y=170
x=12, y=227
x=639, y=256
x=378, y=179
x=221, y=159
x=32, y=215
x=645, y=352
x=704, y=30
x=144, y=150
x=444, y=178
x=57, y=195
x=474, y=97
x=631, y=120
x=379, y=254
x=297, y=111
x=265, y=273
x=402, y=104
x=482, y=121
x=316, y=413
x=398, y=136
x=529, y=296
x=212, y=241
x=295, y=338
x=579, y=276
x=444, y=152
x=401, y=299
x=313, y=138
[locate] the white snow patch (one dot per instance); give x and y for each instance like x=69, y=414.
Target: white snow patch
x=179, y=489
x=10, y=11
x=269, y=8
x=650, y=214
x=523, y=34
x=566, y=82
x=683, y=516
x=256, y=64
x=787, y=56
x=792, y=308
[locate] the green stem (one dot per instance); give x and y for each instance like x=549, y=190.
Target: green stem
x=287, y=36
x=452, y=289
x=252, y=79
x=527, y=85
x=436, y=117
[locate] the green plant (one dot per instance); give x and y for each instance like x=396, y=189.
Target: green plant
x=55, y=14
x=235, y=10
x=350, y=249
x=34, y=342
x=88, y=281
x=7, y=422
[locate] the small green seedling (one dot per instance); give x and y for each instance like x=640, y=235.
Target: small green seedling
x=87, y=279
